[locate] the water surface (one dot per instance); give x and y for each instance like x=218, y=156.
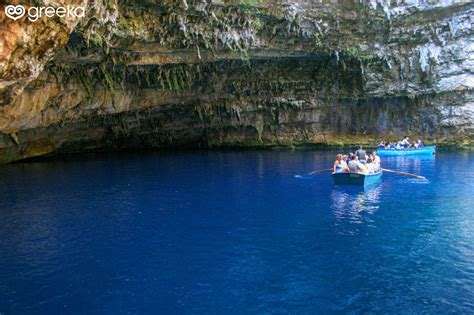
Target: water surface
x=234, y=232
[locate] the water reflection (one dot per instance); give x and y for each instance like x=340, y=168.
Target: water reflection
x=415, y=164
x=353, y=206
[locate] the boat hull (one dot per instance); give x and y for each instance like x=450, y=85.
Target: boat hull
x=400, y=152
x=356, y=179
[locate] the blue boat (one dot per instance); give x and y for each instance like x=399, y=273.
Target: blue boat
x=356, y=179
x=397, y=152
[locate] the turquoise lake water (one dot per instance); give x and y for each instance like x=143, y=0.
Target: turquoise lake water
x=234, y=232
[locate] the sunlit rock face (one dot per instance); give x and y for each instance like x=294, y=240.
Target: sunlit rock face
x=138, y=74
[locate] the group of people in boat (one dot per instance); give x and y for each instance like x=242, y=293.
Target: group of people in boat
x=358, y=162
x=403, y=144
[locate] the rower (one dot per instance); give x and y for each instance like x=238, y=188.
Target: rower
x=405, y=142
x=361, y=154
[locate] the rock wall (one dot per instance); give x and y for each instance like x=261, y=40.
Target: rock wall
x=137, y=74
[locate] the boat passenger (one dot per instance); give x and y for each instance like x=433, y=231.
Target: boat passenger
x=345, y=168
x=362, y=168
x=376, y=161
x=405, y=142
x=352, y=163
x=399, y=146
x=337, y=167
x=420, y=144
x=381, y=145
x=370, y=166
x=361, y=154
x=392, y=145
x=355, y=166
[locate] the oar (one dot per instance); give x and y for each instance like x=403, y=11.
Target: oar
x=403, y=173
x=312, y=173
x=320, y=171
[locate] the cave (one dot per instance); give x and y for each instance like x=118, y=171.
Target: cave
x=215, y=74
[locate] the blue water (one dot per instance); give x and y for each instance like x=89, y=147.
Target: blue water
x=234, y=232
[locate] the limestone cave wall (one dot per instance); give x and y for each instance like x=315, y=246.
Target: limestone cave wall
x=158, y=74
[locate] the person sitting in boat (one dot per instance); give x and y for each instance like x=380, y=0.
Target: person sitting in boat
x=420, y=144
x=381, y=145
x=376, y=161
x=361, y=154
x=369, y=165
x=392, y=145
x=399, y=145
x=405, y=142
x=344, y=163
x=338, y=165
x=355, y=166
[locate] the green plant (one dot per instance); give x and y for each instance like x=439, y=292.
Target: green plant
x=353, y=50
x=250, y=2
x=247, y=5
x=96, y=39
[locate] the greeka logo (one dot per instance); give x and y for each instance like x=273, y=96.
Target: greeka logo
x=16, y=12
